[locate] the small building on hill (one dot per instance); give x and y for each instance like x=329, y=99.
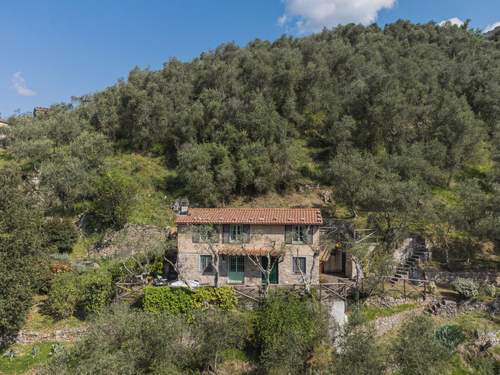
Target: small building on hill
x=40, y=111
x=3, y=136
x=249, y=246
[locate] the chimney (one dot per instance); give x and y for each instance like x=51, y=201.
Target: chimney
x=184, y=206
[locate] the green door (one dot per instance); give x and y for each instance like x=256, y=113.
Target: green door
x=274, y=276
x=236, y=272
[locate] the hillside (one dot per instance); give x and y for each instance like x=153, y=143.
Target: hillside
x=400, y=125
x=387, y=118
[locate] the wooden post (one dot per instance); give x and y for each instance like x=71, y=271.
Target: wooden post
x=425, y=290
x=404, y=288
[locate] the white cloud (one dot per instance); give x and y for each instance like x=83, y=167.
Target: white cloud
x=313, y=15
x=19, y=84
x=452, y=22
x=493, y=26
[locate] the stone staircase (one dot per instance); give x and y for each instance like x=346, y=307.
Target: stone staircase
x=415, y=252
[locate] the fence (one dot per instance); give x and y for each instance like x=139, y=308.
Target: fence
x=403, y=288
x=254, y=294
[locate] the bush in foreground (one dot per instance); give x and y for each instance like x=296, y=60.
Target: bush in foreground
x=128, y=342
x=417, y=351
x=83, y=294
x=466, y=288
x=63, y=295
x=288, y=328
x=184, y=301
x=361, y=353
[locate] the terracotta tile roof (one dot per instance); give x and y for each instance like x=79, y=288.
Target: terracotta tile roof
x=266, y=216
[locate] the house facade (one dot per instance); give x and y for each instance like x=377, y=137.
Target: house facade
x=249, y=246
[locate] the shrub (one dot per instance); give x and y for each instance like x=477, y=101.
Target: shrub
x=215, y=332
x=490, y=290
x=87, y=293
x=184, y=301
x=450, y=336
x=417, y=351
x=61, y=234
x=137, y=342
x=360, y=352
x=63, y=295
x=432, y=288
x=288, y=328
x=466, y=288
x=113, y=201
x=128, y=342
x=96, y=292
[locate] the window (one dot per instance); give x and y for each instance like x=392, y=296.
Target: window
x=299, y=265
x=298, y=234
x=206, y=264
x=205, y=233
x=235, y=232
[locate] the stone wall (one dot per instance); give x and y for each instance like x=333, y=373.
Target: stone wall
x=385, y=324
x=446, y=277
x=59, y=335
x=130, y=240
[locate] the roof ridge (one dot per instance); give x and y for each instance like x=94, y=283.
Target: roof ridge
x=252, y=215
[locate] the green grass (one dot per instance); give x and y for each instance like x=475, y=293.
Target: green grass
x=374, y=312
x=477, y=321
x=151, y=177
x=26, y=357
x=37, y=320
x=82, y=246
x=457, y=366
x=5, y=158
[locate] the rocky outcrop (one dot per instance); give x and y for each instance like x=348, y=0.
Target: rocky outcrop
x=450, y=307
x=130, y=240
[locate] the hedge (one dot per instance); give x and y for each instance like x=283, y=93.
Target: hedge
x=183, y=301
x=79, y=294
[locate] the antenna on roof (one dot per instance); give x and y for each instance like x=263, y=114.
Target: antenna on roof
x=181, y=206
x=184, y=206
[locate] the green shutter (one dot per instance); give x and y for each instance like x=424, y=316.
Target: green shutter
x=288, y=233
x=246, y=233
x=310, y=234
x=225, y=233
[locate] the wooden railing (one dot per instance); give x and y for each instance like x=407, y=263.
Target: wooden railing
x=405, y=288
x=325, y=291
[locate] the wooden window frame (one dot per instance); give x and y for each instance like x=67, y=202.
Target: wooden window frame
x=210, y=264
x=197, y=237
x=239, y=235
x=299, y=234
x=297, y=267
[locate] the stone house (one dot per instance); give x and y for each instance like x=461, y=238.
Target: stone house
x=240, y=243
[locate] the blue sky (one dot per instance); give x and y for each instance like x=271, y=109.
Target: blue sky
x=54, y=49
